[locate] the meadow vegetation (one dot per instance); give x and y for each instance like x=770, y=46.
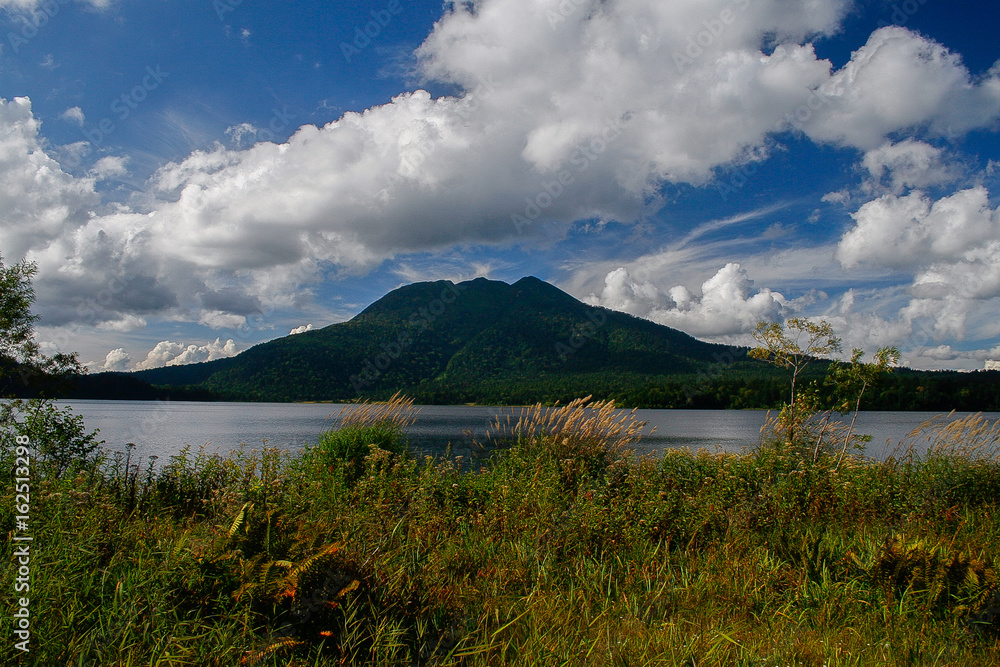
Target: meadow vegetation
x=560, y=548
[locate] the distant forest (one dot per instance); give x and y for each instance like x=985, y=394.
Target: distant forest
x=732, y=389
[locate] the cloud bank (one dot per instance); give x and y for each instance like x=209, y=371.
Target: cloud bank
x=167, y=353
x=727, y=304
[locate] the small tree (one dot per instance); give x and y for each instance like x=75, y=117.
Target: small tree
x=17, y=342
x=794, y=347
x=20, y=355
x=851, y=380
x=57, y=434
x=800, y=342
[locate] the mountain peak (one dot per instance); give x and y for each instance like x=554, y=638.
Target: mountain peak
x=530, y=280
x=466, y=341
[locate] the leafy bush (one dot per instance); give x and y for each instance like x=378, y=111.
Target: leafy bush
x=353, y=443
x=59, y=436
x=362, y=428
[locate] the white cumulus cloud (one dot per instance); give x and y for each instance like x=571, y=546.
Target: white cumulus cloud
x=39, y=203
x=109, y=167
x=907, y=231
x=909, y=164
x=564, y=111
x=73, y=115
x=950, y=247
x=117, y=360
x=623, y=293
x=898, y=81
x=168, y=353
x=591, y=133
x=728, y=304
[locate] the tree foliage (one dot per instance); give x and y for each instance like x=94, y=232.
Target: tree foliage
x=21, y=358
x=17, y=342
x=499, y=344
x=58, y=436
x=853, y=379
x=806, y=422
x=795, y=345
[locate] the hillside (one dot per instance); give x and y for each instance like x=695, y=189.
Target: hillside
x=446, y=342
x=490, y=343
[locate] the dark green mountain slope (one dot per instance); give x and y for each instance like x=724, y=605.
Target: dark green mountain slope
x=434, y=337
x=488, y=342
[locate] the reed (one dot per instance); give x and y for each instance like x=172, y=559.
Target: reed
x=582, y=427
x=365, y=429
x=971, y=437
x=397, y=411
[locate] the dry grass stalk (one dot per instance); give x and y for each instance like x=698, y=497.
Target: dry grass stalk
x=814, y=434
x=581, y=424
x=972, y=437
x=398, y=411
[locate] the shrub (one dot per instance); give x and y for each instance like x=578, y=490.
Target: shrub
x=378, y=425
x=353, y=443
x=58, y=435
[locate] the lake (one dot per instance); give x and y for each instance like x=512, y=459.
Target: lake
x=162, y=428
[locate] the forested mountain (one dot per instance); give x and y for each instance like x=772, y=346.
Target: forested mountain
x=439, y=338
x=488, y=342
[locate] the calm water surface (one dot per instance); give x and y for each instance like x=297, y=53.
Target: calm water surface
x=164, y=428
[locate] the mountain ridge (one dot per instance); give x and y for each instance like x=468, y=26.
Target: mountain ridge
x=488, y=342
x=440, y=332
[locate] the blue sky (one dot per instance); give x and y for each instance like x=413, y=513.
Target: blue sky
x=194, y=177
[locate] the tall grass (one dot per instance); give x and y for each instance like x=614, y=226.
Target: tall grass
x=972, y=437
x=364, y=429
x=564, y=549
x=592, y=430
x=398, y=411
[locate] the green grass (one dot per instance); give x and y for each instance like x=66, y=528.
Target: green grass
x=563, y=549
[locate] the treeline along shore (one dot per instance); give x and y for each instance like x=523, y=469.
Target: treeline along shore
x=560, y=546
x=732, y=389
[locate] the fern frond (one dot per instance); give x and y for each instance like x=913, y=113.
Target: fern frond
x=179, y=546
x=347, y=589
x=240, y=518
x=308, y=565
x=280, y=645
